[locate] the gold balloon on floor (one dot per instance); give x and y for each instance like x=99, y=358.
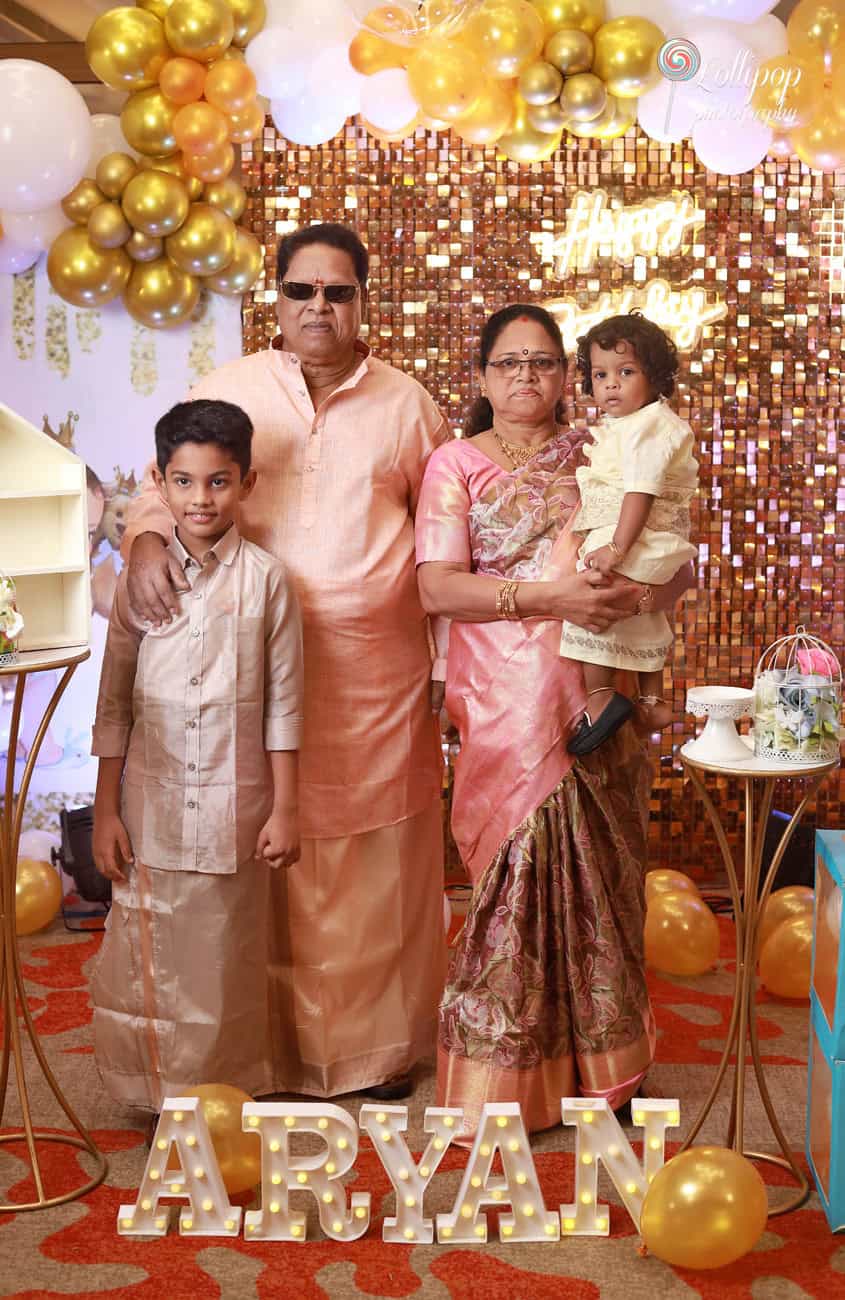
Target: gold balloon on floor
x=114, y=172
x=199, y=29
x=445, y=79
x=83, y=274
x=246, y=125
x=583, y=97
x=626, y=56
x=147, y=122
x=82, y=200
x=704, y=1209
x=205, y=242
x=230, y=86
x=569, y=51
x=523, y=143
x=108, y=227
x=821, y=143
x=505, y=35
x=792, y=900
x=155, y=203
x=183, y=80
x=200, y=128
x=250, y=16
x=38, y=895
x=126, y=48
x=143, y=248
x=174, y=165
x=583, y=15
x=227, y=195
x=786, y=958
x=244, y=268
x=681, y=934
x=238, y=1153
x=540, y=82
x=160, y=294
x=664, y=881
x=816, y=29
x=490, y=115
x=787, y=91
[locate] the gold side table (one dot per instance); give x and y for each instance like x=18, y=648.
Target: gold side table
x=12, y=990
x=758, y=777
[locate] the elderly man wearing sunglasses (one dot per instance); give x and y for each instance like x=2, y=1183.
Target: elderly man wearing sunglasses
x=340, y=445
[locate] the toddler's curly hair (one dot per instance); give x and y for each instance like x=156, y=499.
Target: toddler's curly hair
x=656, y=352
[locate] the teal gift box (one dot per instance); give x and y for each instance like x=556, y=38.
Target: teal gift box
x=826, y=1089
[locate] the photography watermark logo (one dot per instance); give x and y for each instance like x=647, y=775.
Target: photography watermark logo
x=679, y=60
x=721, y=90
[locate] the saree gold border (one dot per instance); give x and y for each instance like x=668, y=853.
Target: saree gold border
x=12, y=988
x=748, y=910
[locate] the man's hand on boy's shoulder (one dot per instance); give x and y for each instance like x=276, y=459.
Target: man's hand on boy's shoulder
x=278, y=839
x=153, y=579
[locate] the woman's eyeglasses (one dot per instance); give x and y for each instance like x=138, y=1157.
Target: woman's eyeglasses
x=301, y=291
x=510, y=365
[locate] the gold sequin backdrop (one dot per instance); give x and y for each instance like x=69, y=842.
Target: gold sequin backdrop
x=448, y=231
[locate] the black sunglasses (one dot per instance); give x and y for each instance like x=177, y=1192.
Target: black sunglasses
x=301, y=291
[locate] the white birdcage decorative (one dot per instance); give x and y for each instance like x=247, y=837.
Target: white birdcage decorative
x=11, y=623
x=797, y=701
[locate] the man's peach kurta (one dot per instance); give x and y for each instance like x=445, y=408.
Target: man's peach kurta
x=335, y=498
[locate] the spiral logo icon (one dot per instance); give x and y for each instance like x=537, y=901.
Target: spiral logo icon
x=679, y=60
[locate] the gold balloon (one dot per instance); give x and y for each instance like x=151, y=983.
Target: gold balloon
x=445, y=79
x=821, y=143
x=369, y=53
x=159, y=294
x=787, y=92
x=250, y=16
x=230, y=86
x=540, y=83
x=583, y=15
x=174, y=164
x=792, y=900
x=816, y=28
x=147, y=122
x=583, y=97
x=681, y=934
x=38, y=895
x=547, y=117
x=126, y=48
x=570, y=52
x=82, y=200
x=107, y=226
x=617, y=116
x=157, y=7
x=199, y=128
x=246, y=125
x=199, y=29
x=787, y=957
x=205, y=242
x=781, y=147
x=398, y=24
x=155, y=203
x=182, y=80
x=114, y=172
x=523, y=143
x=664, y=881
x=244, y=268
x=390, y=137
x=238, y=1153
x=208, y=167
x=490, y=116
x=84, y=275
x=626, y=56
x=144, y=248
x=704, y=1209
x=505, y=36
x=227, y=195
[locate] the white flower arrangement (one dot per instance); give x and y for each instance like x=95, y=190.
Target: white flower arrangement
x=798, y=701
x=11, y=622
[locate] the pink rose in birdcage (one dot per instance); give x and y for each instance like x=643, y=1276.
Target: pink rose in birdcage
x=815, y=660
x=11, y=623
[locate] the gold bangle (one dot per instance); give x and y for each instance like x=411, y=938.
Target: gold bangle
x=506, y=601
x=620, y=555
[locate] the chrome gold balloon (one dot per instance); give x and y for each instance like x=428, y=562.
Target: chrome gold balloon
x=227, y=195
x=126, y=48
x=244, y=268
x=625, y=59
x=583, y=97
x=617, y=116
x=569, y=51
x=83, y=274
x=523, y=143
x=82, y=200
x=540, y=82
x=583, y=15
x=147, y=122
x=155, y=203
x=108, y=227
x=250, y=16
x=114, y=172
x=143, y=248
x=549, y=118
x=199, y=29
x=205, y=242
x=160, y=294
x=174, y=164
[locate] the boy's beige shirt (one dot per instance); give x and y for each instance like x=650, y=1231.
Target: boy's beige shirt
x=194, y=706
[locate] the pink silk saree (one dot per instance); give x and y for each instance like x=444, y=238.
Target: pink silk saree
x=546, y=995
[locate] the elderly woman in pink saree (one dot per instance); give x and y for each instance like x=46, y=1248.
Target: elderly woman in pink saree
x=546, y=995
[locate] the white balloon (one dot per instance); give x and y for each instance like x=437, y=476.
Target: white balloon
x=768, y=37
x=14, y=259
x=332, y=76
x=45, y=135
x=280, y=59
x=37, y=844
x=386, y=100
x=728, y=146
x=728, y=64
x=331, y=20
x=34, y=231
x=732, y=11
x=107, y=138
x=666, y=113
x=304, y=120
x=661, y=12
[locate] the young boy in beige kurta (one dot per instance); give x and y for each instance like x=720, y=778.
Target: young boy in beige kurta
x=197, y=730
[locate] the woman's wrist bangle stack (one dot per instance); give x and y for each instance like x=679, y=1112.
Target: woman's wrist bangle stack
x=617, y=551
x=506, y=601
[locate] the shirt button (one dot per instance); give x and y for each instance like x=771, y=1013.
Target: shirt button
x=192, y=767
x=195, y=681
x=192, y=722
x=191, y=803
x=195, y=632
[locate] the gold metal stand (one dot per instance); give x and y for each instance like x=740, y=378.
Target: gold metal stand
x=12, y=991
x=758, y=777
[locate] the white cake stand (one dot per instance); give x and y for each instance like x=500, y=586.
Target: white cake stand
x=722, y=706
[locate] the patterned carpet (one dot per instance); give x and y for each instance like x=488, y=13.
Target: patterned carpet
x=75, y=1250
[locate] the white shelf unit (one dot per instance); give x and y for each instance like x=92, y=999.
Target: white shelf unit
x=44, y=535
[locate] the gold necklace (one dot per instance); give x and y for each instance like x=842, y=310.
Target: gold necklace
x=517, y=453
